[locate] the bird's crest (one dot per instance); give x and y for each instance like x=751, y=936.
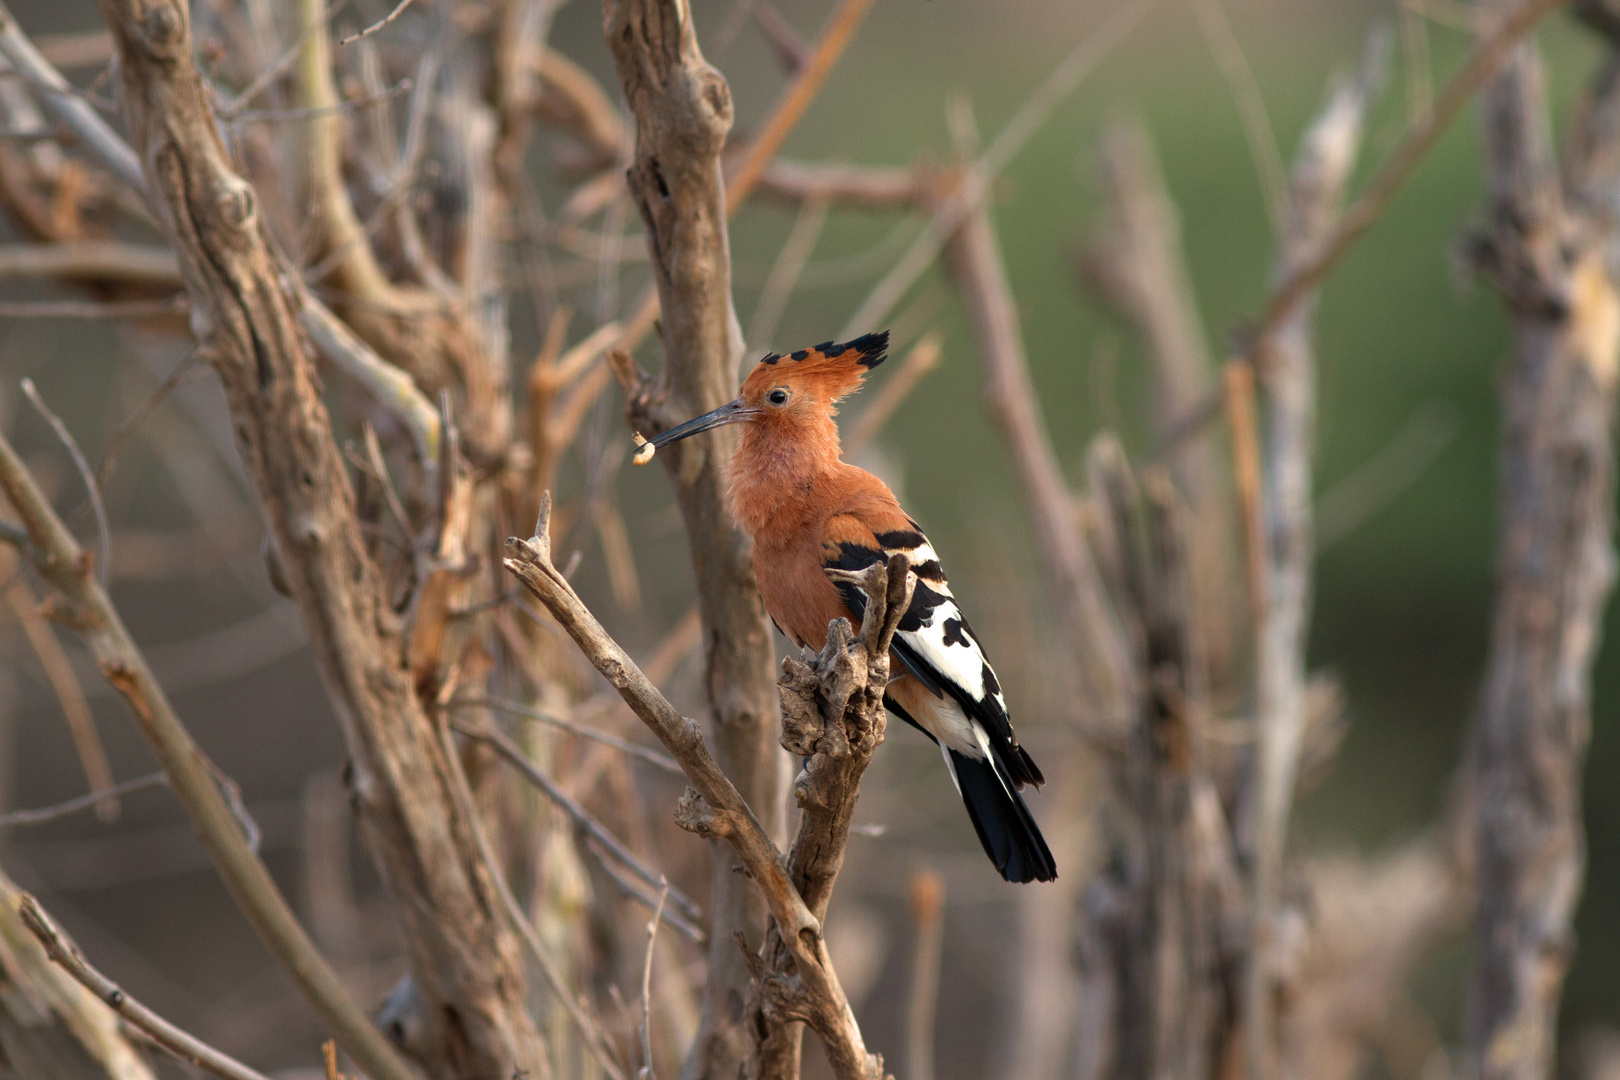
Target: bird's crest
x=831, y=369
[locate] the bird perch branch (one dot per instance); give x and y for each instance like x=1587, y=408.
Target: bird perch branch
x=713, y=808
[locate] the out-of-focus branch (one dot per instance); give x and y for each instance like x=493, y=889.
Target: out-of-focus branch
x=1155, y=972
x=1288, y=386
x=1371, y=923
x=923, y=358
x=428, y=335
x=1307, y=273
x=184, y=1046
x=1546, y=246
x=66, y=105
x=713, y=807
x=928, y=916
x=974, y=186
x=477, y=1019
x=981, y=276
x=94, y=260
x=1251, y=106
x=583, y=819
x=835, y=37
x=1136, y=261
x=58, y=670
x=861, y=186
x=392, y=388
x=60, y=560
x=54, y=1026
x=683, y=112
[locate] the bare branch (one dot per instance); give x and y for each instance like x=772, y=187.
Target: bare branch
x=975, y=184
x=582, y=818
x=60, y=560
x=398, y=10
x=647, y=754
x=646, y=1071
x=835, y=37
x=1078, y=593
x=56, y=1027
x=1288, y=382
x=928, y=915
x=712, y=806
x=422, y=843
x=94, y=260
x=81, y=723
x=92, y=490
x=184, y=1046
x=1547, y=249
x=83, y=802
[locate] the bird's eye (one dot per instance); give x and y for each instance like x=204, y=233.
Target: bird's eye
x=777, y=397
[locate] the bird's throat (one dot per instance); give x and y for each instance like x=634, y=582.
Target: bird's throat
x=777, y=469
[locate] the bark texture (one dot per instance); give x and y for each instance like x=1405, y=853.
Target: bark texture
x=465, y=960
x=1548, y=248
x=683, y=112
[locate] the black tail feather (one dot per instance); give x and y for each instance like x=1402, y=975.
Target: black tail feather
x=1004, y=824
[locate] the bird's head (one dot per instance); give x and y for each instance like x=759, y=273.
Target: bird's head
x=791, y=392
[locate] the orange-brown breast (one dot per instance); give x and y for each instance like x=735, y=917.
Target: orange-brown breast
x=793, y=547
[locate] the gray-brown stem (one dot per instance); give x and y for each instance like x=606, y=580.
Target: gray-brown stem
x=466, y=962
x=1546, y=247
x=682, y=108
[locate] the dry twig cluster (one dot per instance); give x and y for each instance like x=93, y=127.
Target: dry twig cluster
x=332, y=224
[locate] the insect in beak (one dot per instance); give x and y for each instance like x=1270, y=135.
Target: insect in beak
x=732, y=412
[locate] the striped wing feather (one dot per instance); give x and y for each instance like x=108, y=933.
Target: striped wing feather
x=934, y=641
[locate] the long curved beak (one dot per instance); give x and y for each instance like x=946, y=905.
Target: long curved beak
x=732, y=412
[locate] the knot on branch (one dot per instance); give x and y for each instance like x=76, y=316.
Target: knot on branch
x=694, y=814
x=832, y=706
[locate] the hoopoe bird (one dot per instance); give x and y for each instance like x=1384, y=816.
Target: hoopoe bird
x=809, y=511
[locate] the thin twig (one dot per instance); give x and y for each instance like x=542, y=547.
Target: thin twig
x=89, y=309
x=234, y=108
x=144, y=264
x=923, y=358
x=1394, y=468
x=1238, y=395
x=103, y=530
x=266, y=116
x=399, y=9
x=646, y=1071
x=638, y=892
x=60, y=560
x=127, y=426
x=184, y=1046
x=81, y=723
x=583, y=819
x=1251, y=106
x=82, y=802
x=590, y=1031
x=975, y=184
x=835, y=37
